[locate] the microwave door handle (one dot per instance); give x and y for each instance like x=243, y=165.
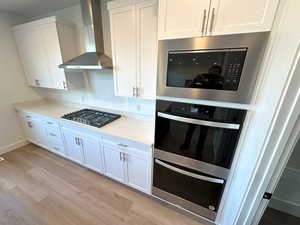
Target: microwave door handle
x=232, y=126
x=193, y=175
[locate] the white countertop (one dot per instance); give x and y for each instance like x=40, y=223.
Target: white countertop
x=126, y=127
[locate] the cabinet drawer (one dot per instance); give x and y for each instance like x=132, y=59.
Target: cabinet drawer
x=57, y=148
x=126, y=148
x=54, y=135
x=51, y=123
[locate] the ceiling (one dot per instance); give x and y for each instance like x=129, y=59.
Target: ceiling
x=33, y=8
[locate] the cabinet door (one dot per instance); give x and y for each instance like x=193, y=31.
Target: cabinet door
x=122, y=21
x=73, y=145
x=146, y=17
x=138, y=173
x=114, y=165
x=182, y=19
x=33, y=57
x=34, y=131
x=92, y=153
x=235, y=16
x=51, y=46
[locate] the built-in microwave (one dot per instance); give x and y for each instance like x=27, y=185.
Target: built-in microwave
x=219, y=68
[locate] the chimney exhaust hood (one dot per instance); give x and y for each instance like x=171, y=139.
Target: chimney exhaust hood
x=95, y=59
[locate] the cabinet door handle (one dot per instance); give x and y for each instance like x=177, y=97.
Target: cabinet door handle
x=213, y=15
x=37, y=82
x=122, y=145
x=203, y=22
x=134, y=91
x=137, y=94
x=76, y=141
x=121, y=156
x=124, y=157
x=64, y=85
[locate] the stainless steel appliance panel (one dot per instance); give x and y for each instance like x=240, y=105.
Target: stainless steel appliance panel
x=254, y=43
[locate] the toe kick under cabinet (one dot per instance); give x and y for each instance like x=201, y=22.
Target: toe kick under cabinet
x=122, y=160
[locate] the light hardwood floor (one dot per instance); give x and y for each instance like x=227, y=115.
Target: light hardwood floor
x=40, y=188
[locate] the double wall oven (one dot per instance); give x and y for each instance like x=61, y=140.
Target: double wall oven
x=194, y=148
x=195, y=144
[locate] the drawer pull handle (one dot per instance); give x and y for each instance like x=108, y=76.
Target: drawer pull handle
x=53, y=135
x=187, y=173
x=57, y=149
x=50, y=123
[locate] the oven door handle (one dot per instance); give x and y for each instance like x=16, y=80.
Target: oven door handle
x=193, y=175
x=200, y=122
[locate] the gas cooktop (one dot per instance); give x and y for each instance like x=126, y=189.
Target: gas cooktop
x=92, y=117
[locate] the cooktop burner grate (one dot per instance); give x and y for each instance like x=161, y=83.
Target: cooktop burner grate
x=92, y=117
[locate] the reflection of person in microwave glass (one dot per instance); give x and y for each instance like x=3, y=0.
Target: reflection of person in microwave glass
x=211, y=80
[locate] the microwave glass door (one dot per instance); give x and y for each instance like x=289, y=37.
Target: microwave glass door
x=207, y=69
x=194, y=131
x=187, y=184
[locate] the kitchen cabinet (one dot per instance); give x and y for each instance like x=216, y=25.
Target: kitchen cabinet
x=182, y=19
x=127, y=165
x=194, y=18
x=33, y=129
x=54, y=137
x=114, y=165
x=234, y=17
x=138, y=172
x=134, y=47
x=83, y=149
x=43, y=45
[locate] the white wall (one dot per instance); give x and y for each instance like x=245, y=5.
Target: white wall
x=13, y=86
x=94, y=88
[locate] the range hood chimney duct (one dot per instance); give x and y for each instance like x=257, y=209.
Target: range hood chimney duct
x=94, y=58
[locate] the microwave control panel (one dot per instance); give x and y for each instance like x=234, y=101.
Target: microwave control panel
x=233, y=70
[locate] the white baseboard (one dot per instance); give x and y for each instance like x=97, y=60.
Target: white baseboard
x=13, y=146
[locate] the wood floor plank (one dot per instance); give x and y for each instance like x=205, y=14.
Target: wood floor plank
x=45, y=189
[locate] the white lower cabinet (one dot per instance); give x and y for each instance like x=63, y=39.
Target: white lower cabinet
x=138, y=172
x=83, y=149
x=33, y=129
x=92, y=153
x=114, y=165
x=128, y=165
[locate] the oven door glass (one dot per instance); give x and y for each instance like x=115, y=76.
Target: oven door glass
x=187, y=184
x=200, y=142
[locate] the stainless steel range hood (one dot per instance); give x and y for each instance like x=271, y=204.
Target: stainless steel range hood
x=94, y=59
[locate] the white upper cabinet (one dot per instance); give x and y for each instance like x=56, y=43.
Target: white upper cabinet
x=134, y=47
x=196, y=18
x=182, y=19
x=42, y=48
x=146, y=18
x=123, y=48
x=235, y=16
